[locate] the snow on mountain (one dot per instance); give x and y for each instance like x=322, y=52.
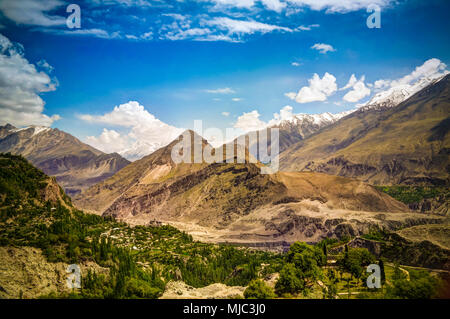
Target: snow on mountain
x=36, y=129
x=399, y=93
x=40, y=129
x=306, y=124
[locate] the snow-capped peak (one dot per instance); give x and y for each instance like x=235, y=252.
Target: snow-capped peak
x=314, y=119
x=36, y=129
x=399, y=93
x=40, y=129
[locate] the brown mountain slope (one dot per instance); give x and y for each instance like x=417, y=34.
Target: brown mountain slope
x=235, y=202
x=291, y=130
x=407, y=144
x=75, y=165
x=155, y=167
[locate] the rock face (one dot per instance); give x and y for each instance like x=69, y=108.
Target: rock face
x=235, y=203
x=405, y=144
x=26, y=273
x=75, y=165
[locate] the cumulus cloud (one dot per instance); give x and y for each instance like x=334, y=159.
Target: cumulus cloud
x=109, y=141
x=274, y=5
x=250, y=122
x=145, y=133
x=358, y=89
x=323, y=48
x=399, y=89
x=431, y=68
x=20, y=86
x=318, y=90
x=225, y=113
x=236, y=99
x=295, y=64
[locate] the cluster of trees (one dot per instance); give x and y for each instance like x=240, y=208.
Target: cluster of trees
x=302, y=267
x=418, y=284
x=355, y=261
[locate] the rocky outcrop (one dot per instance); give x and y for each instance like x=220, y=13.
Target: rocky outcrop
x=26, y=273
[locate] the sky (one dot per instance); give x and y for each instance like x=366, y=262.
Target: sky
x=138, y=72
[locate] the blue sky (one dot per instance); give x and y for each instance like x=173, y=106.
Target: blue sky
x=188, y=60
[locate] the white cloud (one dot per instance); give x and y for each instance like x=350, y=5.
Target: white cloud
x=97, y=33
x=20, y=86
x=323, y=48
x=221, y=91
x=340, y=6
x=358, y=92
x=249, y=122
x=430, y=68
x=295, y=64
x=44, y=65
x=109, y=141
x=33, y=12
x=396, y=91
x=147, y=36
x=358, y=89
x=274, y=5
x=234, y=3
x=226, y=114
x=331, y=6
x=318, y=90
x=307, y=27
x=381, y=84
x=285, y=114
x=243, y=27
x=351, y=82
x=236, y=99
x=146, y=133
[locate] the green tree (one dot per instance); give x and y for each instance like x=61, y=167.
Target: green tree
x=257, y=289
x=421, y=285
x=289, y=281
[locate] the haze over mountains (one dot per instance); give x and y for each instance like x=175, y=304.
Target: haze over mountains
x=75, y=165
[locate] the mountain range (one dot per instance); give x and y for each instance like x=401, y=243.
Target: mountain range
x=75, y=164
x=234, y=202
x=405, y=144
x=322, y=190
